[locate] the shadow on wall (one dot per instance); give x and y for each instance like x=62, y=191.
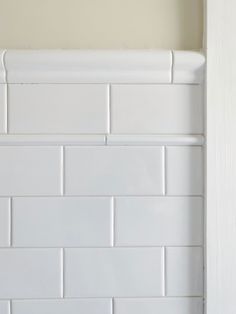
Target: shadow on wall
x=101, y=24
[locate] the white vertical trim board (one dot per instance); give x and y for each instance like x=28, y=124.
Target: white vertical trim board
x=221, y=157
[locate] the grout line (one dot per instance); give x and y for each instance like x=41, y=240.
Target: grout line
x=113, y=240
x=164, y=171
x=62, y=274
x=62, y=170
x=10, y=307
x=10, y=222
x=109, y=297
x=103, y=247
x=164, y=271
x=108, y=196
x=172, y=66
x=112, y=306
x=109, y=109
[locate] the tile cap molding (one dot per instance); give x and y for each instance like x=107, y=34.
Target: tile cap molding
x=188, y=67
x=2, y=67
x=101, y=66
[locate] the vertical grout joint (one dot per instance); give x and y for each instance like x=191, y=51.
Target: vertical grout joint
x=172, y=66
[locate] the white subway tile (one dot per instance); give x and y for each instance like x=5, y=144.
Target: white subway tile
x=59, y=222
x=159, y=305
x=184, y=271
x=114, y=170
x=4, y=222
x=29, y=170
x=30, y=273
x=53, y=108
x=3, y=100
x=5, y=307
x=184, y=170
x=158, y=221
x=163, y=109
x=79, y=306
x=113, y=272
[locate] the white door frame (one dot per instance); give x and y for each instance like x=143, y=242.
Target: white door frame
x=220, y=43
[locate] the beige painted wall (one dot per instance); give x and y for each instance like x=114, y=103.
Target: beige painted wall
x=175, y=24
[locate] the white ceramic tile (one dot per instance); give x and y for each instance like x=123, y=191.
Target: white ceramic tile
x=55, y=139
x=148, y=140
x=62, y=222
x=163, y=109
x=158, y=221
x=184, y=271
x=114, y=170
x=53, y=108
x=184, y=170
x=188, y=67
x=3, y=95
x=5, y=307
x=81, y=306
x=4, y=222
x=159, y=305
x=29, y=170
x=93, y=66
x=113, y=272
x=30, y=273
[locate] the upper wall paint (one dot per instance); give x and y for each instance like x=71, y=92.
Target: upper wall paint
x=101, y=24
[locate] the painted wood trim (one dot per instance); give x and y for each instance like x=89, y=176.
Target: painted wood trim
x=111, y=66
x=221, y=157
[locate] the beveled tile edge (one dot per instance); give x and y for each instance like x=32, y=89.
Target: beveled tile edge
x=103, y=66
x=156, y=140
x=188, y=67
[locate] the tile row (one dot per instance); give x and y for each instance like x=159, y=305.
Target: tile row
x=101, y=272
x=105, y=306
x=100, y=170
x=101, y=109
x=101, y=222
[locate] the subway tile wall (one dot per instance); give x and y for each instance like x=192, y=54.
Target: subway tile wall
x=101, y=185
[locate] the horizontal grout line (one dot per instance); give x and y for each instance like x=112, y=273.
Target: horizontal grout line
x=100, y=196
x=103, y=83
x=99, y=247
x=106, y=297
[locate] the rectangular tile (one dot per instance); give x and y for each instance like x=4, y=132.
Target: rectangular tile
x=62, y=222
x=163, y=109
x=4, y=222
x=114, y=170
x=159, y=305
x=158, y=221
x=5, y=307
x=83, y=306
x=30, y=273
x=29, y=170
x=184, y=269
x=3, y=100
x=184, y=170
x=113, y=272
x=53, y=108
